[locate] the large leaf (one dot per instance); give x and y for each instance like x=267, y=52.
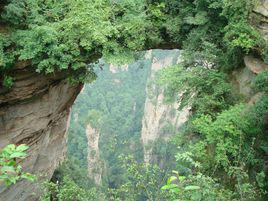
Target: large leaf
x=168, y=187
x=18, y=155
x=8, y=169
x=171, y=179
x=191, y=188
x=22, y=148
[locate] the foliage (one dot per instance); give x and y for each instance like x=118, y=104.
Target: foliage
x=71, y=181
x=260, y=83
x=217, y=161
x=258, y=117
x=10, y=170
x=67, y=191
x=214, y=32
x=62, y=35
x=205, y=89
x=222, y=148
x=224, y=141
x=67, y=35
x=221, y=143
x=143, y=183
x=197, y=187
x=8, y=81
x=75, y=171
x=242, y=35
x=6, y=57
x=115, y=109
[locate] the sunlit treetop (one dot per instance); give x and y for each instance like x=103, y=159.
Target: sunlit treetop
x=62, y=34
x=57, y=35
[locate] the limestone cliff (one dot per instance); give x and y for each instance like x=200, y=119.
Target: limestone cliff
x=243, y=77
x=260, y=17
x=35, y=111
x=157, y=114
x=93, y=158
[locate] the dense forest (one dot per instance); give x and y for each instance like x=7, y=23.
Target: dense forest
x=116, y=110
x=220, y=154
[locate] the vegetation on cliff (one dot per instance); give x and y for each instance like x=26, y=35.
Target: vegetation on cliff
x=67, y=35
x=224, y=146
x=10, y=170
x=115, y=110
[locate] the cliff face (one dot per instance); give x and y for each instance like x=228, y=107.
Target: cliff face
x=94, y=162
x=159, y=116
x=253, y=66
x=157, y=113
x=260, y=17
x=35, y=111
x=243, y=77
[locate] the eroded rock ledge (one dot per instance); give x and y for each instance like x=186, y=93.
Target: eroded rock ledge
x=35, y=111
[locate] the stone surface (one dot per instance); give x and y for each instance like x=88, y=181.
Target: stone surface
x=93, y=158
x=35, y=111
x=255, y=65
x=260, y=17
x=243, y=77
x=157, y=114
x=262, y=8
x=242, y=80
x=114, y=68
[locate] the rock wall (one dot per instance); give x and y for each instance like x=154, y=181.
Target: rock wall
x=35, y=111
x=115, y=68
x=260, y=17
x=94, y=161
x=157, y=114
x=243, y=77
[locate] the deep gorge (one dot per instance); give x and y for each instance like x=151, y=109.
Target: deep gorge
x=198, y=131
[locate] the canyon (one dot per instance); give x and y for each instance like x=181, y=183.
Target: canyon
x=36, y=111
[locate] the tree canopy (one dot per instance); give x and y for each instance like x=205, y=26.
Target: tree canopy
x=60, y=35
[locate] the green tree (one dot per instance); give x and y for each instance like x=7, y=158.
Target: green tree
x=10, y=169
